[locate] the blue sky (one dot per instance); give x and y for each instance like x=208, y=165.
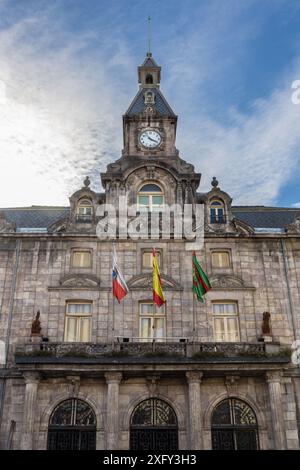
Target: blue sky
x=68, y=73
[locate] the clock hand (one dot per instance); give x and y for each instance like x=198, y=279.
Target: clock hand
x=150, y=138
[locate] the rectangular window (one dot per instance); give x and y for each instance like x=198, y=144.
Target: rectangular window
x=147, y=259
x=81, y=259
x=152, y=322
x=78, y=322
x=226, y=326
x=220, y=259
x=85, y=210
x=150, y=203
x=143, y=203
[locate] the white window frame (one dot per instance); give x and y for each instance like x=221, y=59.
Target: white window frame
x=219, y=252
x=150, y=194
x=226, y=317
x=85, y=207
x=78, y=318
x=81, y=253
x=158, y=257
x=158, y=313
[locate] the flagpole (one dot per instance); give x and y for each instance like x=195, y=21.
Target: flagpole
x=113, y=306
x=194, y=317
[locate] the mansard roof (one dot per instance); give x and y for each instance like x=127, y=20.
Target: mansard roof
x=38, y=218
x=265, y=217
x=34, y=217
x=161, y=105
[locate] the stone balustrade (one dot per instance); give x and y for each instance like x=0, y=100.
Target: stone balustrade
x=139, y=349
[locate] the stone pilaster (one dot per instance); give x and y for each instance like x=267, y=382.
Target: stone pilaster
x=113, y=380
x=29, y=412
x=274, y=384
x=195, y=412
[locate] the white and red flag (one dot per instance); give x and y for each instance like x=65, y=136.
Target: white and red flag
x=119, y=285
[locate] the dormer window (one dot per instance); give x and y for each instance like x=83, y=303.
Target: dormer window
x=149, y=79
x=149, y=97
x=217, y=212
x=150, y=198
x=84, y=211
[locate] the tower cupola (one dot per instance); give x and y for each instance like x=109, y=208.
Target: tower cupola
x=149, y=73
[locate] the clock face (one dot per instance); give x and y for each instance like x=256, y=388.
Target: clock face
x=150, y=139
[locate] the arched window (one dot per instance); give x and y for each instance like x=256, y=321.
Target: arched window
x=84, y=211
x=234, y=426
x=149, y=97
x=153, y=426
x=150, y=198
x=72, y=426
x=217, y=212
x=149, y=79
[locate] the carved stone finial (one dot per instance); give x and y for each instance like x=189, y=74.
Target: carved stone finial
x=86, y=182
x=36, y=325
x=214, y=182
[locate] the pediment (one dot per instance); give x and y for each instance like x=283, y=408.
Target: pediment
x=144, y=281
x=77, y=281
x=228, y=281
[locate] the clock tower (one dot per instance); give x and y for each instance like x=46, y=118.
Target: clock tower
x=149, y=146
x=149, y=124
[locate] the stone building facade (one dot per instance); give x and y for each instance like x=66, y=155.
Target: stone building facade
x=88, y=372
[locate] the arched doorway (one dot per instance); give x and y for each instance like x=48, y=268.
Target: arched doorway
x=72, y=426
x=153, y=426
x=234, y=426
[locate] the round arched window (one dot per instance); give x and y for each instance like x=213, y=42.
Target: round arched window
x=72, y=426
x=149, y=79
x=84, y=210
x=217, y=212
x=153, y=426
x=150, y=198
x=234, y=426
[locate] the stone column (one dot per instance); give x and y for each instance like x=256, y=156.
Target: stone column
x=274, y=384
x=29, y=412
x=195, y=414
x=113, y=380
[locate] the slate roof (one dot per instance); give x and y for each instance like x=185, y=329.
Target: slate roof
x=40, y=217
x=34, y=216
x=149, y=61
x=138, y=104
x=266, y=217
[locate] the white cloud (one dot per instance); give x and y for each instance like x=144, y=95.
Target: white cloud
x=62, y=98
x=60, y=115
x=252, y=158
x=253, y=154
x=296, y=204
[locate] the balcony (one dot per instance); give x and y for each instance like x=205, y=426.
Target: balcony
x=84, y=219
x=132, y=351
x=217, y=219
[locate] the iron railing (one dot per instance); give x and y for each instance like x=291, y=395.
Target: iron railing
x=84, y=218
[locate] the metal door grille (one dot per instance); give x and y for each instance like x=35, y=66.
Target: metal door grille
x=234, y=426
x=154, y=427
x=72, y=427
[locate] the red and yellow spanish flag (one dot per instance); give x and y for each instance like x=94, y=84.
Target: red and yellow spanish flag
x=158, y=295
